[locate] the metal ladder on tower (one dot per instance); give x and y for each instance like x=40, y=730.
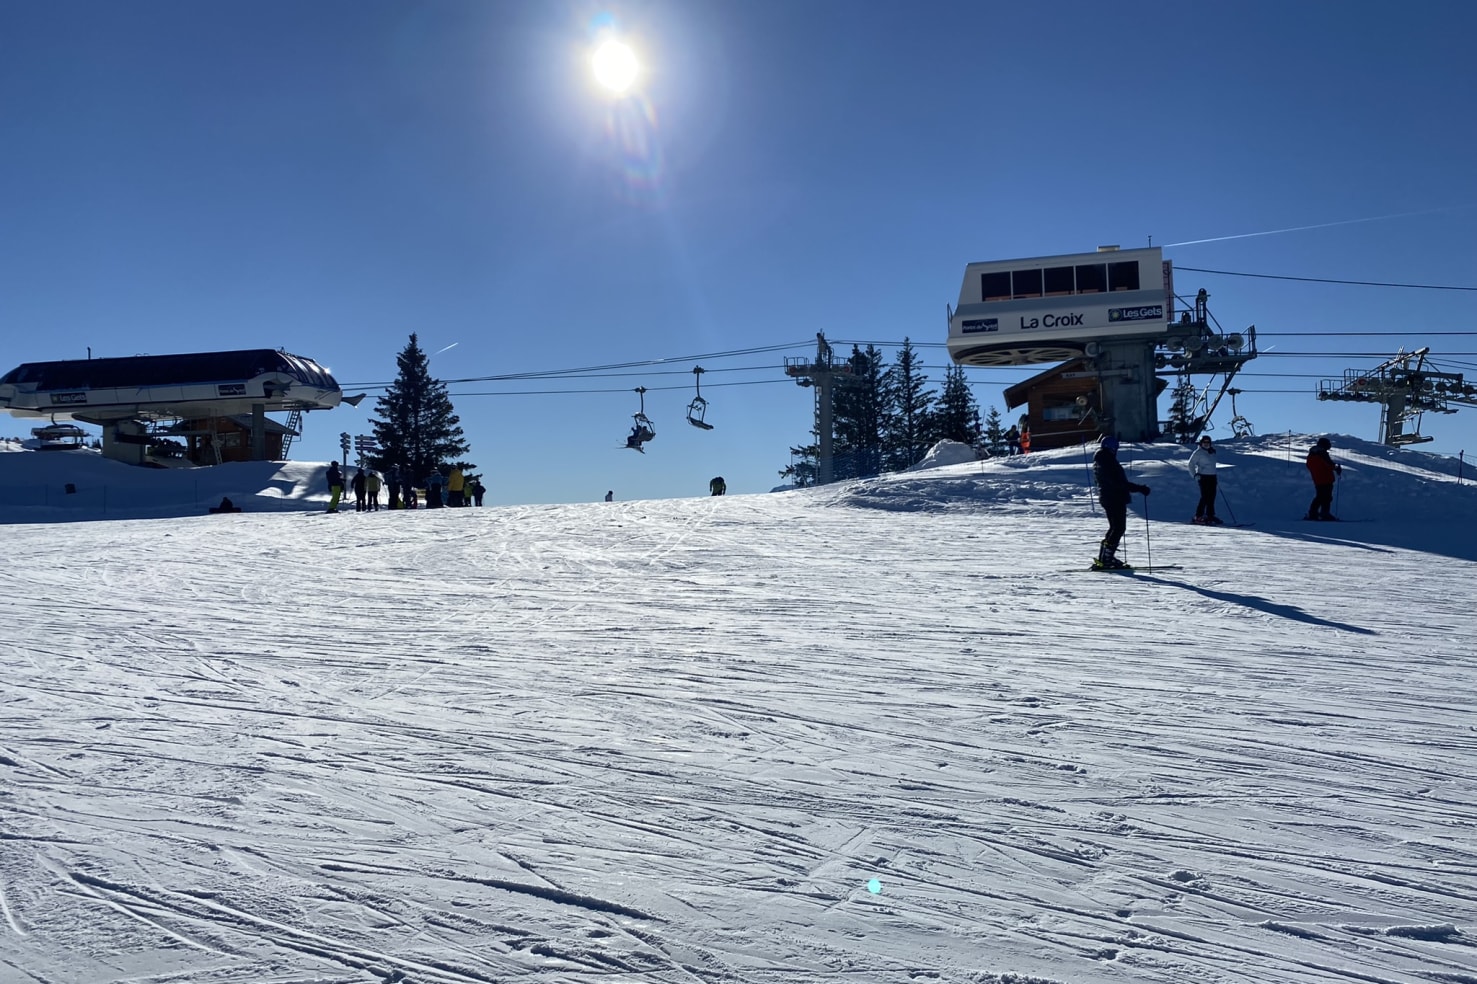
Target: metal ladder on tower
x=294, y=426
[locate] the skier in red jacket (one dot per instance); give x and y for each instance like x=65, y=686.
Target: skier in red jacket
x=1325, y=472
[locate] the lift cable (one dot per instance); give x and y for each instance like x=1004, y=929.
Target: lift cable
x=1325, y=280
x=537, y=374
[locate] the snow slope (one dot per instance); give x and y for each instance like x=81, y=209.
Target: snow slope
x=887, y=731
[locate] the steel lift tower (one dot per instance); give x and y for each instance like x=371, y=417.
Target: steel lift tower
x=1405, y=387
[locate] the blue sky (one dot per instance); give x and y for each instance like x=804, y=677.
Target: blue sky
x=328, y=177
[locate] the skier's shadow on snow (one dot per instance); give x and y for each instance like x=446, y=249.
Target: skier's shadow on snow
x=1262, y=605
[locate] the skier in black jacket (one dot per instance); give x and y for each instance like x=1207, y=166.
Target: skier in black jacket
x=1113, y=491
x=335, y=486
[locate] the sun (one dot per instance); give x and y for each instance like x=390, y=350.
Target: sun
x=615, y=66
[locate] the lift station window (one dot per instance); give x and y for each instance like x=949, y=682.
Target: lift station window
x=995, y=286
x=1123, y=276
x=1092, y=278
x=1058, y=281
x=1061, y=281
x=1025, y=283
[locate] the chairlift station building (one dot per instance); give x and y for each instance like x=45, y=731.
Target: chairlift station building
x=208, y=399
x=1108, y=319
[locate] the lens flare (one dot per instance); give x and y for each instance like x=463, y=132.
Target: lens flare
x=615, y=66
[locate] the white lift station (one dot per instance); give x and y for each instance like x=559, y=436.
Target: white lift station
x=1113, y=309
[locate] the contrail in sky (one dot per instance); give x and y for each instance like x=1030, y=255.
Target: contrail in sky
x=1321, y=225
x=451, y=346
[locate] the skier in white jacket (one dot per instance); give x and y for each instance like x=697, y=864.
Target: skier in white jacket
x=1202, y=466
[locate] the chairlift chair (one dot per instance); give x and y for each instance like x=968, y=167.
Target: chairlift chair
x=698, y=408
x=643, y=430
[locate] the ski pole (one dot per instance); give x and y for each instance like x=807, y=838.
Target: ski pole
x=1148, y=549
x=1087, y=467
x=1227, y=503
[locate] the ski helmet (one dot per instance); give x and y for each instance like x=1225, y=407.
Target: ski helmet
x=1109, y=442
x=1325, y=443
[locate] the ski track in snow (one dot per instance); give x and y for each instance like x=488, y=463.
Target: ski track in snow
x=672, y=742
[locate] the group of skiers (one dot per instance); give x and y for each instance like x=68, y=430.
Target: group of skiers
x=451, y=489
x=1115, y=490
x=1018, y=440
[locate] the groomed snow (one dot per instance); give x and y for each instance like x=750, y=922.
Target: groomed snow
x=887, y=731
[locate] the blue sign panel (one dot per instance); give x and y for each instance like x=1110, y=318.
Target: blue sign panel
x=971, y=325
x=1145, y=312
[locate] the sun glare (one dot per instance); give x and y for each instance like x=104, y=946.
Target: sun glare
x=615, y=66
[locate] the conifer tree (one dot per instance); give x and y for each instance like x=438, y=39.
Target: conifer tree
x=994, y=436
x=857, y=417
x=958, y=415
x=908, y=411
x=804, y=469
x=416, y=425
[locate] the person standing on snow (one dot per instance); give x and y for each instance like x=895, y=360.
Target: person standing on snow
x=1202, y=466
x=357, y=484
x=456, y=484
x=1114, y=491
x=1324, y=473
x=392, y=485
x=335, y=486
x=717, y=486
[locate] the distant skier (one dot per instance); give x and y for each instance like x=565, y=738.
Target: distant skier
x=335, y=486
x=392, y=484
x=717, y=486
x=1013, y=440
x=357, y=484
x=456, y=487
x=1202, y=466
x=610, y=496
x=1325, y=472
x=1114, y=491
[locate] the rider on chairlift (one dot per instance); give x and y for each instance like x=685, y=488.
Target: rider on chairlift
x=639, y=436
x=643, y=431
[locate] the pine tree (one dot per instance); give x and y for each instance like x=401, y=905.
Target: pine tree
x=994, y=436
x=908, y=411
x=416, y=426
x=803, y=470
x=857, y=417
x=958, y=415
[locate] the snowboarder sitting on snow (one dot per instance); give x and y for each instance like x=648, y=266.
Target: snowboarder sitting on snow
x=1114, y=491
x=1202, y=466
x=1324, y=473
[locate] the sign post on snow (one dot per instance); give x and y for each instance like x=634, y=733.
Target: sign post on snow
x=364, y=446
